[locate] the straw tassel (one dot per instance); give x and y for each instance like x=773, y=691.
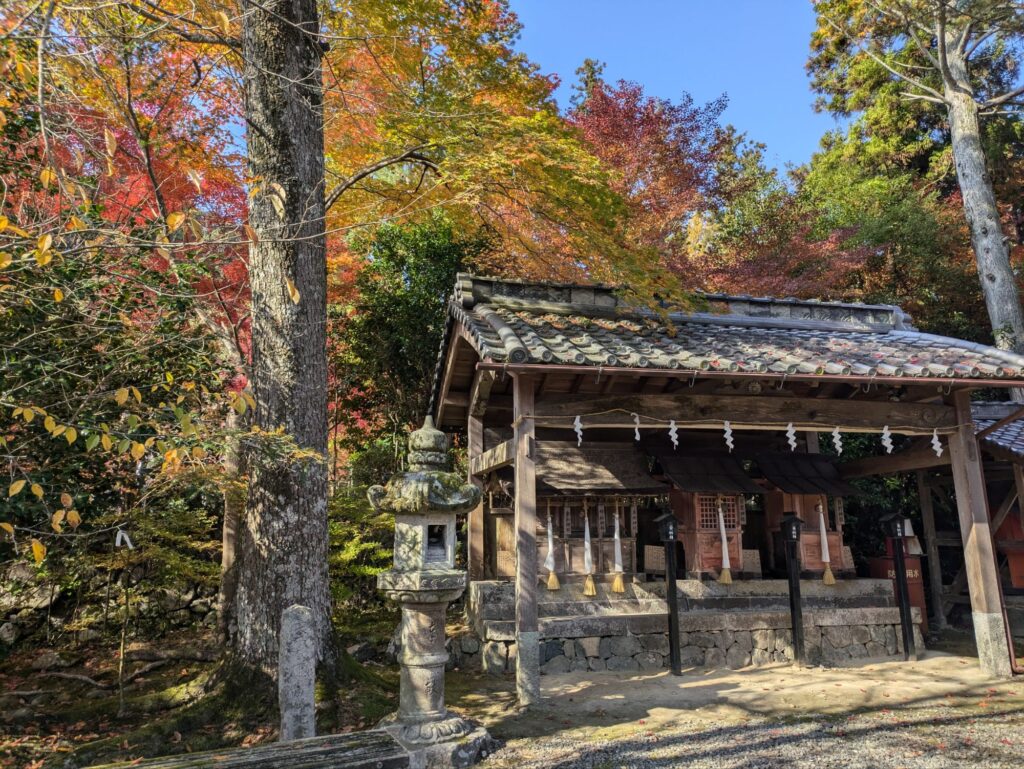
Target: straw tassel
x=618, y=583
x=589, y=588
x=553, y=583
x=549, y=561
x=828, y=577
x=725, y=577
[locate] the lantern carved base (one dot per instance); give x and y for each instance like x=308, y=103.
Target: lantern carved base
x=451, y=742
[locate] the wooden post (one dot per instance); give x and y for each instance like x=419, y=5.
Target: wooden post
x=527, y=633
x=812, y=443
x=475, y=521
x=979, y=550
x=934, y=566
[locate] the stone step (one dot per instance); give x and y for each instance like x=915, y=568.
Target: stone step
x=374, y=749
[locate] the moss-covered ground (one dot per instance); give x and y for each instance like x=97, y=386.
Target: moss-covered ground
x=179, y=705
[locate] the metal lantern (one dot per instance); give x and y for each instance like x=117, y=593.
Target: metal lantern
x=895, y=526
x=791, y=526
x=667, y=527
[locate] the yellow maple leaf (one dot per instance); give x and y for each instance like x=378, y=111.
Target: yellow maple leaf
x=175, y=220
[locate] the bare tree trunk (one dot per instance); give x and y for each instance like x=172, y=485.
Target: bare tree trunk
x=282, y=542
x=990, y=244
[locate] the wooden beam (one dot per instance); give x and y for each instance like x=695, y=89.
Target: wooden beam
x=527, y=628
x=979, y=550
x=931, y=542
x=457, y=399
x=917, y=457
x=1018, y=414
x=1004, y=509
x=765, y=412
x=449, y=370
x=475, y=520
x=480, y=392
x=502, y=455
x=1018, y=483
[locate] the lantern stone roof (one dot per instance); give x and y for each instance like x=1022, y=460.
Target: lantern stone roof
x=512, y=322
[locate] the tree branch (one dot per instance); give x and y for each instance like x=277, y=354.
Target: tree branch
x=412, y=154
x=191, y=37
x=996, y=101
x=944, y=71
x=921, y=97
x=888, y=67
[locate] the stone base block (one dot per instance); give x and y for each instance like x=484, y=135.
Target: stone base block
x=449, y=743
x=993, y=650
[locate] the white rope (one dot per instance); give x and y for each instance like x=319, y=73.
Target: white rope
x=588, y=559
x=824, y=536
x=618, y=545
x=725, y=539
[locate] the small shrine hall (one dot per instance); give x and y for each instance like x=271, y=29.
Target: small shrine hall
x=588, y=420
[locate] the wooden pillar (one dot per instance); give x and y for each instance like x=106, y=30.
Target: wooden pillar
x=979, y=550
x=527, y=633
x=813, y=446
x=475, y=521
x=924, y=493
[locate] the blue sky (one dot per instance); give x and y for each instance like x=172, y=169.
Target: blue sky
x=752, y=50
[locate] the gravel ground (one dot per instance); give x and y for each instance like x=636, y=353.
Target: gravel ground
x=935, y=713
x=924, y=740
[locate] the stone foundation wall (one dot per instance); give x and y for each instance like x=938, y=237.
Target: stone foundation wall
x=827, y=640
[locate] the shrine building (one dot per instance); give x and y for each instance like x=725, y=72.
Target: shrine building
x=588, y=420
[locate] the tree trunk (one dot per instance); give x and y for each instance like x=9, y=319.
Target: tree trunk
x=282, y=542
x=991, y=249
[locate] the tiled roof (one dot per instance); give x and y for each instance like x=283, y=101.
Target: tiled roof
x=524, y=323
x=1009, y=438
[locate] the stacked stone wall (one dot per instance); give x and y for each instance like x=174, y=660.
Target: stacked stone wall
x=726, y=648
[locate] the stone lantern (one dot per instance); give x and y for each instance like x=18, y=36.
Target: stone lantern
x=423, y=581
